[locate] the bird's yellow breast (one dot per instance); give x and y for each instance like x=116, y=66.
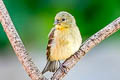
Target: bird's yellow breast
x=61, y=27
x=66, y=42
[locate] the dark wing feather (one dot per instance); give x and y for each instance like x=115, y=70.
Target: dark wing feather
x=51, y=38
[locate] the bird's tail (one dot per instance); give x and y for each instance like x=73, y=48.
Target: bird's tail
x=51, y=66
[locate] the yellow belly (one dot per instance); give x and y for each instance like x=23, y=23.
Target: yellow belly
x=61, y=52
x=65, y=44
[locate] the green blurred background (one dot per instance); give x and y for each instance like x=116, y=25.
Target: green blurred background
x=34, y=19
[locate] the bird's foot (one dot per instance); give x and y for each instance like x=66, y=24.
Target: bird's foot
x=62, y=67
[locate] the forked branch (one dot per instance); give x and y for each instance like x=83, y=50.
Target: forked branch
x=26, y=60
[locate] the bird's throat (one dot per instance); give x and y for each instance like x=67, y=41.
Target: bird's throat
x=60, y=27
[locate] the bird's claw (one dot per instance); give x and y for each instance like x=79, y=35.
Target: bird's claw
x=62, y=67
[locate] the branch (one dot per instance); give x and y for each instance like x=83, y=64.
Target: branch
x=26, y=60
x=85, y=47
x=17, y=45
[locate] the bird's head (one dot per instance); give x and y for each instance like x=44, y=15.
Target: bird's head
x=63, y=20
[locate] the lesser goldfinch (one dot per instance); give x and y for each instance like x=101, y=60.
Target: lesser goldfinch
x=64, y=40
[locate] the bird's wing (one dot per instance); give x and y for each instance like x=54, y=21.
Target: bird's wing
x=51, y=38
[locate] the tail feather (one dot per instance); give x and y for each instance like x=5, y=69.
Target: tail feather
x=51, y=66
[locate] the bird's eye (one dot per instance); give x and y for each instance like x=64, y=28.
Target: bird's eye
x=63, y=19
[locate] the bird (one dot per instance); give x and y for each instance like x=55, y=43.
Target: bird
x=64, y=40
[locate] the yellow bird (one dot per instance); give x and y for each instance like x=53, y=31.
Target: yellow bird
x=64, y=40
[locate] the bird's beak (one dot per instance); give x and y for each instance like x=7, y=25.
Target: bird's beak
x=58, y=26
x=56, y=22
